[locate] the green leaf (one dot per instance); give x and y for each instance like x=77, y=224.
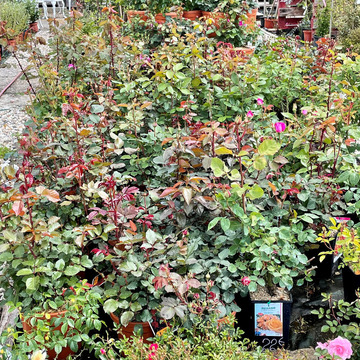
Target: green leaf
x=33, y=283
x=111, y=305
x=64, y=328
x=126, y=317
x=225, y=224
x=223, y=151
x=232, y=268
x=303, y=196
x=109, y=227
x=252, y=286
x=96, y=109
x=196, y=82
x=9, y=235
x=255, y=192
x=306, y=218
x=58, y=348
x=224, y=254
x=178, y=67
x=348, y=196
x=354, y=179
x=4, y=247
x=169, y=74
x=60, y=264
x=260, y=163
x=269, y=147
x=24, y=272
x=218, y=167
x=6, y=256
x=86, y=262
x=162, y=87
x=72, y=270
x=213, y=222
x=151, y=236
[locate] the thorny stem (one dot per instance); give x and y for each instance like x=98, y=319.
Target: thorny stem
x=24, y=73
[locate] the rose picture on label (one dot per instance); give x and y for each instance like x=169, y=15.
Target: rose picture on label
x=268, y=319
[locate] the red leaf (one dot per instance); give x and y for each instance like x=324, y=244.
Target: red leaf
x=18, y=208
x=168, y=191
x=159, y=282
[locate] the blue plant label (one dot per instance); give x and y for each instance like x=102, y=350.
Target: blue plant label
x=269, y=319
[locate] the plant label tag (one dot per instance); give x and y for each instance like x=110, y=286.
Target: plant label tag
x=269, y=319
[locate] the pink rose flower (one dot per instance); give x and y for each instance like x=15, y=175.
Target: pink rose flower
x=153, y=347
x=322, y=346
x=260, y=101
x=250, y=114
x=102, y=351
x=304, y=112
x=71, y=66
x=246, y=281
x=340, y=347
x=241, y=23
x=279, y=127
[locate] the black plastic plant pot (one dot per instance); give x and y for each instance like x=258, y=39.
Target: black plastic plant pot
x=326, y=268
x=267, y=322
x=351, y=283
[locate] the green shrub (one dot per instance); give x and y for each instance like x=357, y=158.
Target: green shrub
x=32, y=10
x=323, y=21
x=16, y=17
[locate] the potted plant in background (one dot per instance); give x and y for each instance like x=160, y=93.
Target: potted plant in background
x=322, y=21
x=347, y=247
x=306, y=24
x=15, y=20
x=33, y=12
x=165, y=9
x=192, y=10
x=136, y=8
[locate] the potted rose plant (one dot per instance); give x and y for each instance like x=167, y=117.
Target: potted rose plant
x=39, y=257
x=132, y=298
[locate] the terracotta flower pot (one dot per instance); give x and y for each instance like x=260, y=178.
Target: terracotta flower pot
x=251, y=19
x=133, y=13
x=216, y=17
x=34, y=27
x=128, y=331
x=66, y=351
x=160, y=18
x=192, y=15
x=269, y=23
x=307, y=35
